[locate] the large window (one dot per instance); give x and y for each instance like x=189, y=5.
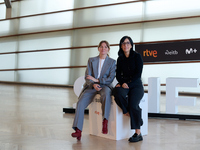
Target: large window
x=50, y=41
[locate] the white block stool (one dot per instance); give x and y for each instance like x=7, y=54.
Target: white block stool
x=118, y=124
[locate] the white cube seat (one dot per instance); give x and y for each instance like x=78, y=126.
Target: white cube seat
x=118, y=124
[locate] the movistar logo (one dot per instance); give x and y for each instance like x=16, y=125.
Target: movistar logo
x=191, y=51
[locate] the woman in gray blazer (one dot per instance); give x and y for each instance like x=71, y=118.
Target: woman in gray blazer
x=99, y=76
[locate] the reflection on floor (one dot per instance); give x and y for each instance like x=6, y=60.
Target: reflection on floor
x=32, y=119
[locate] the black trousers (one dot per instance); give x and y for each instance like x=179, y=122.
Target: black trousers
x=128, y=100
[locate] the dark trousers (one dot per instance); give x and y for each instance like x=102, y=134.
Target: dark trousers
x=128, y=100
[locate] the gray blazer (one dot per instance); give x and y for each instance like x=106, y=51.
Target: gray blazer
x=107, y=73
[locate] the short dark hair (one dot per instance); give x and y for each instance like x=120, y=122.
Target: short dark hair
x=120, y=52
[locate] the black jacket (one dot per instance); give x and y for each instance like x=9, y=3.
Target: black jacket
x=129, y=69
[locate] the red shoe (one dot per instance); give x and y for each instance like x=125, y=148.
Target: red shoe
x=77, y=134
x=105, y=126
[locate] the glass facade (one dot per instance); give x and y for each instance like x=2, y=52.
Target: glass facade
x=37, y=25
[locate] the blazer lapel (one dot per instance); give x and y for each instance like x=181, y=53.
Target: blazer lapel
x=95, y=66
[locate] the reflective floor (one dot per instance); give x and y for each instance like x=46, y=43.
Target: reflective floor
x=31, y=118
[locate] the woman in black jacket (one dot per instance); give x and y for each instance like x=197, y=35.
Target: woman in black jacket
x=129, y=90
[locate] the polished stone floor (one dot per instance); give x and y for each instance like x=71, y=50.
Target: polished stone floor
x=31, y=118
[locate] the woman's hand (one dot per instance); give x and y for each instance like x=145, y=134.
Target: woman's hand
x=125, y=86
x=92, y=78
x=118, y=85
x=97, y=87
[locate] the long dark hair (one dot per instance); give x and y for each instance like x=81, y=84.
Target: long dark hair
x=121, y=52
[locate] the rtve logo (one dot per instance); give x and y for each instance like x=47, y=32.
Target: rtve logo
x=150, y=53
x=96, y=112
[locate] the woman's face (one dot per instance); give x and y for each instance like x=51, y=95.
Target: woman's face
x=126, y=46
x=103, y=49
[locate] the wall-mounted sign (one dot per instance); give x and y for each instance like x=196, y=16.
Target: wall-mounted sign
x=169, y=52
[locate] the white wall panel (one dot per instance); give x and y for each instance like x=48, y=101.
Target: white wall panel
x=3, y=11
x=79, y=57
x=42, y=6
x=108, y=15
x=54, y=76
x=8, y=44
x=45, y=41
x=75, y=73
x=7, y=61
x=8, y=27
x=5, y=27
x=7, y=76
x=93, y=36
x=86, y=3
x=171, y=8
x=44, y=59
x=172, y=30
x=46, y=22
x=114, y=52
